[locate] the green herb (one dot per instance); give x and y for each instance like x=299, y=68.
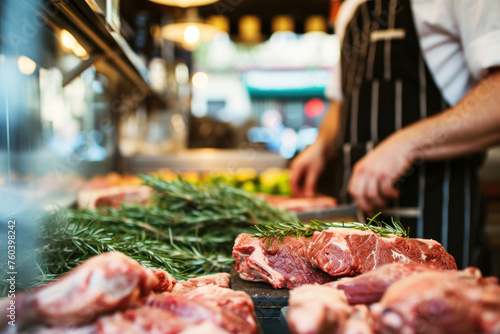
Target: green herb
x=281, y=230
x=215, y=199
x=188, y=230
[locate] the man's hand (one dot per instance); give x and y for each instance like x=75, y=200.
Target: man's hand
x=306, y=169
x=470, y=126
x=374, y=177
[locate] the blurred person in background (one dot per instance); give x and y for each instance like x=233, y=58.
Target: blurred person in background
x=414, y=104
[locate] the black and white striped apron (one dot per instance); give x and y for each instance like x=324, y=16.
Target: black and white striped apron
x=386, y=86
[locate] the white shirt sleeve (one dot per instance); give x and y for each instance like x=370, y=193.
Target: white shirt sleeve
x=478, y=23
x=460, y=40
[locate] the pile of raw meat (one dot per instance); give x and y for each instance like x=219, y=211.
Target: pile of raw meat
x=329, y=254
x=113, y=294
x=400, y=286
x=399, y=299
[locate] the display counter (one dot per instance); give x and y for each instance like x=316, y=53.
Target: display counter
x=204, y=159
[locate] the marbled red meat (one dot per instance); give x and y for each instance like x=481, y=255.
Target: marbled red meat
x=440, y=302
x=430, y=302
x=369, y=287
x=281, y=265
x=348, y=252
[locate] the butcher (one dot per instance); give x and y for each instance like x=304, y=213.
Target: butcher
x=414, y=104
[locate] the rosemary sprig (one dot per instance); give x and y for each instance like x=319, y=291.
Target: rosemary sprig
x=294, y=228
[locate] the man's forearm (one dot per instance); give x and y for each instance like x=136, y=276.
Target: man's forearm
x=329, y=128
x=470, y=126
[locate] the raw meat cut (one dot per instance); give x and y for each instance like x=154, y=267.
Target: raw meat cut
x=281, y=265
x=316, y=309
x=113, y=294
x=236, y=302
x=206, y=309
x=349, y=252
x=221, y=280
x=101, y=284
x=198, y=310
x=369, y=287
x=440, y=302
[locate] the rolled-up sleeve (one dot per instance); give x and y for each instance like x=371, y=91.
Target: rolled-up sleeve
x=479, y=27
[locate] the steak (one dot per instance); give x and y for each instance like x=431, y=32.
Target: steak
x=440, y=302
x=348, y=252
x=369, y=287
x=283, y=264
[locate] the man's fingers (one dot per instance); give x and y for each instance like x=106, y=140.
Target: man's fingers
x=357, y=189
x=387, y=188
x=373, y=194
x=310, y=182
x=295, y=180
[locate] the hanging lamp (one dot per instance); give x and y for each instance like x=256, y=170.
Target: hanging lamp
x=184, y=3
x=189, y=31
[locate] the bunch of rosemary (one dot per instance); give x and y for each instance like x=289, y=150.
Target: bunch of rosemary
x=187, y=229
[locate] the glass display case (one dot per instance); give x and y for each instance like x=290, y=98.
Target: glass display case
x=66, y=78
